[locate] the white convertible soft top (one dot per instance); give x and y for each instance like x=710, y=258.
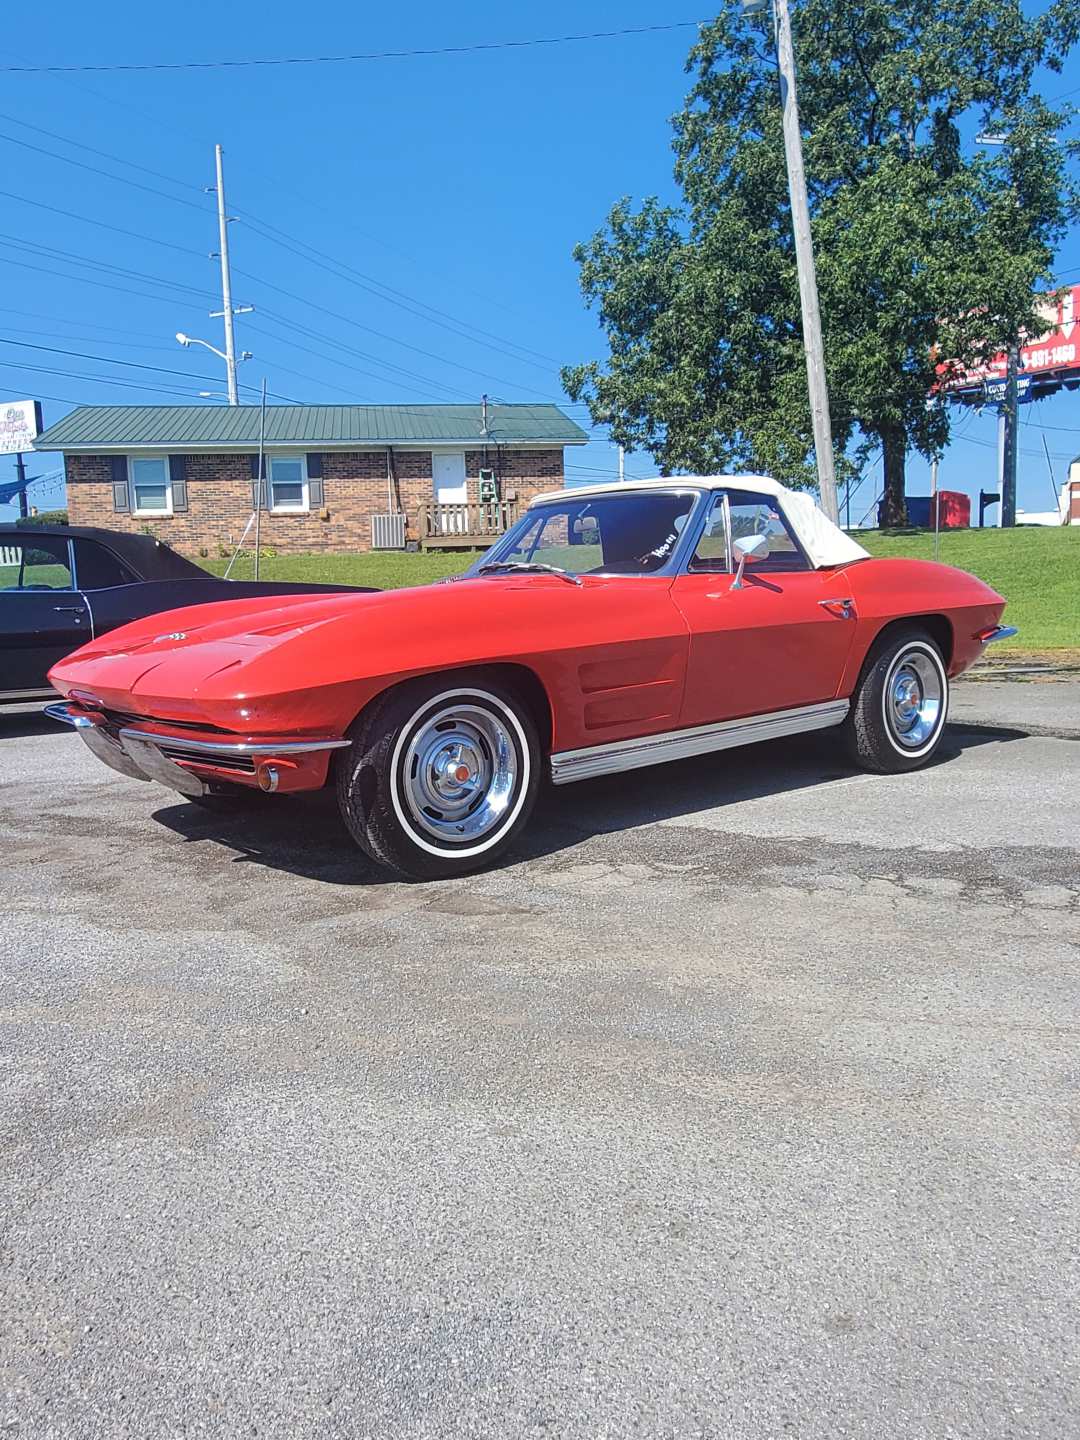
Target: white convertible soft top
x=825, y=543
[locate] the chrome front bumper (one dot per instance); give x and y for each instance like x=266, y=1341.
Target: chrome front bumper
x=164, y=757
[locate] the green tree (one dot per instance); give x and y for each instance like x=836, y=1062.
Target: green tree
x=926, y=244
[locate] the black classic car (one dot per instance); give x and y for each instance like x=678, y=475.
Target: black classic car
x=62, y=585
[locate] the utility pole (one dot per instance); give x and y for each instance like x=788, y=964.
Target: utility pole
x=1009, y=418
x=263, y=483
x=226, y=279
x=804, y=256
x=622, y=464
x=935, y=504
x=20, y=471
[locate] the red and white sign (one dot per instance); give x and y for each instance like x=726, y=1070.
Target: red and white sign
x=1055, y=352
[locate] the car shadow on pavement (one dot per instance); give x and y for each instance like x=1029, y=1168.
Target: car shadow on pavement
x=304, y=835
x=20, y=723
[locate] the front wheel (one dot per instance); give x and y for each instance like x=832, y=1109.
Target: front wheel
x=442, y=774
x=898, y=711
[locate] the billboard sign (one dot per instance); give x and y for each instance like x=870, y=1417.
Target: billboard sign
x=20, y=425
x=1054, y=357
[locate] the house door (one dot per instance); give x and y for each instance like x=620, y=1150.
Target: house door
x=448, y=470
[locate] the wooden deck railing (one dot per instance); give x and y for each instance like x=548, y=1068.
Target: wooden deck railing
x=448, y=525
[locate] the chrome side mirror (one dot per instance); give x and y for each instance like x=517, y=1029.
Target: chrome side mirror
x=748, y=549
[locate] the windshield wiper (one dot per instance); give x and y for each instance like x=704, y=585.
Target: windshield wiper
x=532, y=566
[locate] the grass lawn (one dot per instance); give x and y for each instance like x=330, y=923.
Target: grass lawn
x=1036, y=568
x=385, y=569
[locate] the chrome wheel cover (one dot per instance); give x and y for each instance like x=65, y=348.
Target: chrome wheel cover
x=914, y=698
x=459, y=773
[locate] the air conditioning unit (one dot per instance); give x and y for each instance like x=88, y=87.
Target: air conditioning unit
x=388, y=532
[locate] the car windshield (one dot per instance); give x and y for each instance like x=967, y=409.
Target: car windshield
x=632, y=533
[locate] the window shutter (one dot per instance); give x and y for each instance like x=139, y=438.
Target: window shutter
x=118, y=469
x=316, y=494
x=178, y=481
x=258, y=492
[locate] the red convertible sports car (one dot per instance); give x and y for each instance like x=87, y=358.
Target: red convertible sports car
x=613, y=627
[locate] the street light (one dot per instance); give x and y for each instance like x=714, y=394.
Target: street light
x=188, y=340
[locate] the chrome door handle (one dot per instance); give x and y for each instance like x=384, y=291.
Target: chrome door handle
x=70, y=609
x=843, y=608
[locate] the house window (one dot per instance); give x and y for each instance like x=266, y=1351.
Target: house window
x=151, y=492
x=288, y=483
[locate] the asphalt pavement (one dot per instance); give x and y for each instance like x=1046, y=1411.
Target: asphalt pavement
x=1034, y=706
x=743, y=1102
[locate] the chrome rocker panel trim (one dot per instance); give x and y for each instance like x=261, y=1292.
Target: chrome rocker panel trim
x=139, y=754
x=570, y=765
x=1001, y=632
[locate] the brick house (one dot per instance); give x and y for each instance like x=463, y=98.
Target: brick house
x=335, y=477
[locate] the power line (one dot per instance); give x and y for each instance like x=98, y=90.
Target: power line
x=400, y=298
x=99, y=340
x=275, y=236
x=347, y=59
x=97, y=284
x=96, y=170
x=101, y=154
x=484, y=375
x=86, y=324
x=129, y=364
x=190, y=135
x=381, y=334
x=346, y=349
x=71, y=257
x=170, y=390
x=117, y=229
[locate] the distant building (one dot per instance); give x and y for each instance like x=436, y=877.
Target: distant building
x=336, y=477
x=1068, y=506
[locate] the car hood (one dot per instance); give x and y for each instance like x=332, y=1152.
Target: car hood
x=193, y=663
x=311, y=661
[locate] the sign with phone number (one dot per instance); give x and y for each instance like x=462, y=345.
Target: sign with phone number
x=1052, y=353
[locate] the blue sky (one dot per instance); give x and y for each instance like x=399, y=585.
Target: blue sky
x=457, y=182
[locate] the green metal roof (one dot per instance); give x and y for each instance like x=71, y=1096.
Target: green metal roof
x=119, y=427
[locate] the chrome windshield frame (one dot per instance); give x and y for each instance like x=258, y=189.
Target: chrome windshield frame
x=671, y=567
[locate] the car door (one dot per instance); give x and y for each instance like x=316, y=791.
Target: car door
x=42, y=616
x=778, y=641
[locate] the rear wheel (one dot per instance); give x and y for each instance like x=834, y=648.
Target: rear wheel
x=442, y=775
x=899, y=708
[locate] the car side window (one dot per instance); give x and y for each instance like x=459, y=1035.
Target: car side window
x=98, y=568
x=751, y=514
x=37, y=564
